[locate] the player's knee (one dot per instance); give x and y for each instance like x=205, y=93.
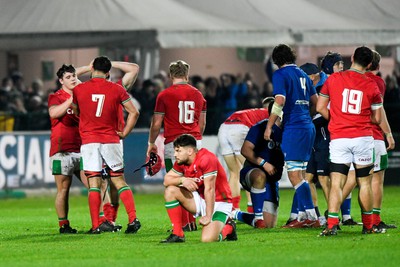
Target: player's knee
x=208, y=238
x=340, y=168
x=171, y=191
x=258, y=178
x=364, y=172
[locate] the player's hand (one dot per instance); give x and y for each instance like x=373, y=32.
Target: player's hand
x=391, y=142
x=190, y=184
x=269, y=168
x=121, y=135
x=267, y=134
x=151, y=148
x=205, y=220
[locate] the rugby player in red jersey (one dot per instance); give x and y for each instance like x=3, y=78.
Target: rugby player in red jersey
x=355, y=102
x=98, y=102
x=198, y=183
x=182, y=108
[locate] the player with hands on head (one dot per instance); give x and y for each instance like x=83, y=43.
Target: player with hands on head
x=98, y=102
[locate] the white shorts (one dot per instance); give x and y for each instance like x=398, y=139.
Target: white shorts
x=169, y=150
x=93, y=155
x=223, y=207
x=359, y=150
x=381, y=156
x=231, y=138
x=65, y=163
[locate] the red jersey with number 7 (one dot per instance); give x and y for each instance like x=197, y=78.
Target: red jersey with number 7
x=99, y=102
x=181, y=105
x=352, y=97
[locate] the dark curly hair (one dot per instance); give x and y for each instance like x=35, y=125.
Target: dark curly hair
x=65, y=68
x=283, y=54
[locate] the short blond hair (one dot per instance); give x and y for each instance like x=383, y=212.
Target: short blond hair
x=178, y=69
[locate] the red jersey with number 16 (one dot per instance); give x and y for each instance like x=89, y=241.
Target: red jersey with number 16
x=99, y=102
x=204, y=165
x=64, y=130
x=352, y=97
x=181, y=104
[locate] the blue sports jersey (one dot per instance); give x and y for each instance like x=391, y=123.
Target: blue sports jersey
x=268, y=150
x=293, y=83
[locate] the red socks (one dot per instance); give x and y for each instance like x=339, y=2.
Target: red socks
x=174, y=210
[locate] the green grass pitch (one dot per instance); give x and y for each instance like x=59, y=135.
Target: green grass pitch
x=29, y=237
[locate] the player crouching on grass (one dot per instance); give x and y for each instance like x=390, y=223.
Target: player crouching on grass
x=260, y=173
x=198, y=183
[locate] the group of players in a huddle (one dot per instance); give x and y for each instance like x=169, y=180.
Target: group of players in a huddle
x=313, y=137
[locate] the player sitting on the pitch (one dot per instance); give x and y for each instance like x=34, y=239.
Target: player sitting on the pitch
x=260, y=174
x=198, y=183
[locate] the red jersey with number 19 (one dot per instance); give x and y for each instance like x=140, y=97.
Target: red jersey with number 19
x=352, y=97
x=64, y=130
x=181, y=104
x=204, y=165
x=99, y=102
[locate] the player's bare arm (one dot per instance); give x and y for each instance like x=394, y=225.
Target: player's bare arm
x=155, y=128
x=276, y=112
x=57, y=111
x=133, y=115
x=322, y=107
x=84, y=69
x=387, y=130
x=131, y=71
x=173, y=178
x=313, y=107
x=202, y=122
x=248, y=152
x=209, y=197
x=376, y=116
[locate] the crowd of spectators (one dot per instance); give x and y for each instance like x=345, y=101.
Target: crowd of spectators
x=24, y=107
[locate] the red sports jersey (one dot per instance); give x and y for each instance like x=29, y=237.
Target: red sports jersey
x=352, y=97
x=64, y=135
x=377, y=131
x=206, y=164
x=247, y=117
x=99, y=102
x=181, y=104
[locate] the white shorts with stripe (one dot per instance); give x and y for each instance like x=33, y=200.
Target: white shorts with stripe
x=231, y=138
x=381, y=156
x=359, y=150
x=223, y=207
x=93, y=155
x=66, y=163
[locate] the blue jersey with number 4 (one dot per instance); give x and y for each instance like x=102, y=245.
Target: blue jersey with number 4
x=293, y=83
